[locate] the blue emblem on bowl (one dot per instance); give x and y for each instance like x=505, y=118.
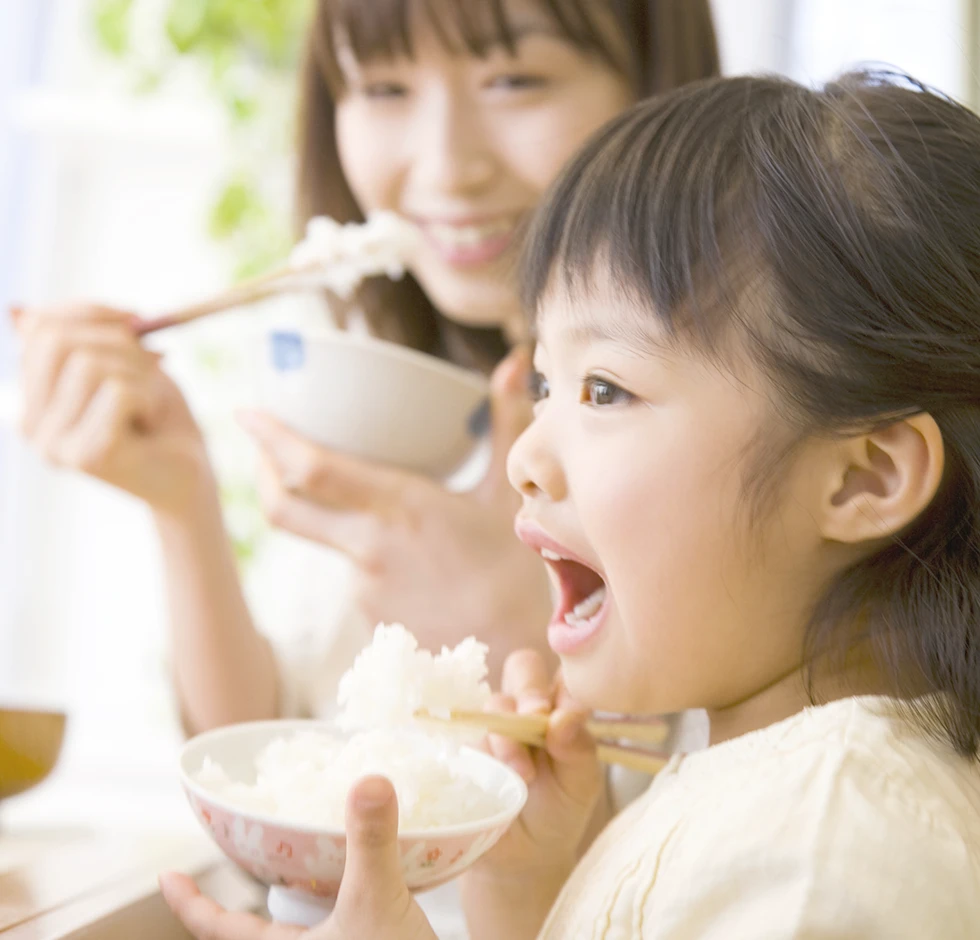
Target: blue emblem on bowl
x=287, y=350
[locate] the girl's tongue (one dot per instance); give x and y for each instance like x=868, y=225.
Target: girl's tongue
x=581, y=592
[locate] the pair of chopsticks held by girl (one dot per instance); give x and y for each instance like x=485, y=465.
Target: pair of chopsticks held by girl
x=757, y=436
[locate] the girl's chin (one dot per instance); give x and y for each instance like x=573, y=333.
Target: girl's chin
x=600, y=689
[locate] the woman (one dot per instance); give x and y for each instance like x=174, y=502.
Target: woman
x=456, y=114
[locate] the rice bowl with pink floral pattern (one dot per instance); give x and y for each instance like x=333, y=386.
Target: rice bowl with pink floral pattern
x=309, y=860
x=272, y=794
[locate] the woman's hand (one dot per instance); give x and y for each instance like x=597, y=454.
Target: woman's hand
x=373, y=901
x=511, y=889
x=96, y=401
x=445, y=564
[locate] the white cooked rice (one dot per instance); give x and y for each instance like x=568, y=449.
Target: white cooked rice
x=392, y=678
x=343, y=255
x=304, y=779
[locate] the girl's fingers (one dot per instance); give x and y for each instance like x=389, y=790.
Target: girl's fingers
x=526, y=677
x=515, y=755
x=567, y=738
x=209, y=921
x=575, y=768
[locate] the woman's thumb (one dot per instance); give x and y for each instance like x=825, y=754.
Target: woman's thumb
x=510, y=409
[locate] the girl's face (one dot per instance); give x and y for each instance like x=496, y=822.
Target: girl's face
x=465, y=146
x=633, y=472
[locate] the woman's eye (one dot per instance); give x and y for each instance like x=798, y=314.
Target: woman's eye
x=601, y=392
x=518, y=82
x=537, y=386
x=385, y=90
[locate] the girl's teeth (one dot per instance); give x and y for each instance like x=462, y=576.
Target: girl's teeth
x=587, y=609
x=550, y=555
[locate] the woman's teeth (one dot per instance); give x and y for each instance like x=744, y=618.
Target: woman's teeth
x=469, y=236
x=587, y=609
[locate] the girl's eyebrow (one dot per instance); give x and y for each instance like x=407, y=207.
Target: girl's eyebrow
x=629, y=333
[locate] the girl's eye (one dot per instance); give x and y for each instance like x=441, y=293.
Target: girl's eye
x=600, y=392
x=537, y=386
x=384, y=90
x=518, y=82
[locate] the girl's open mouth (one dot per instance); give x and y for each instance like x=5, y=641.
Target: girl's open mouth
x=582, y=603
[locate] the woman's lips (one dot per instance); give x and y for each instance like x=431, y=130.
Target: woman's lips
x=470, y=243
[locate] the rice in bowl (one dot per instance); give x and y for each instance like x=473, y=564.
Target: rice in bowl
x=304, y=778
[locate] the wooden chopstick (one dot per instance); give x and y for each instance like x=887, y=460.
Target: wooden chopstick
x=247, y=292
x=531, y=729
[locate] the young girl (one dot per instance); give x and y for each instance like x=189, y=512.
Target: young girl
x=458, y=114
x=755, y=464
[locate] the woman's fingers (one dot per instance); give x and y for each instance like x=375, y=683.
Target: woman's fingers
x=84, y=372
x=355, y=533
x=511, y=412
x=320, y=475
x=47, y=350
x=28, y=317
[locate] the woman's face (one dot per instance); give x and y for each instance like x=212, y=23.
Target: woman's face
x=465, y=146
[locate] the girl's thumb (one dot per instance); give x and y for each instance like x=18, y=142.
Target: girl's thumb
x=372, y=871
x=574, y=755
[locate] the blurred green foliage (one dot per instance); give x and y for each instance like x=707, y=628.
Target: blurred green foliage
x=248, y=51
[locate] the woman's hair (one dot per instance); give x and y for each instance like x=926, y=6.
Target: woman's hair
x=833, y=237
x=668, y=42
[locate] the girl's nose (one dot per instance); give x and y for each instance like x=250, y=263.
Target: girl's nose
x=533, y=468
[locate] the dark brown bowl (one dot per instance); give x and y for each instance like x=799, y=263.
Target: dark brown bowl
x=30, y=742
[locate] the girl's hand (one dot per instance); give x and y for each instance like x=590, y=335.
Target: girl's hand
x=373, y=900
x=96, y=401
x=565, y=780
x=510, y=890
x=445, y=564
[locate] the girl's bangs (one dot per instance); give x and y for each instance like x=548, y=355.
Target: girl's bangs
x=383, y=29
x=660, y=200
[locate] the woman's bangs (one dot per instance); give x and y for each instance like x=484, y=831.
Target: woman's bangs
x=383, y=29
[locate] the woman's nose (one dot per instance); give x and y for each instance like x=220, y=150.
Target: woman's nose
x=533, y=468
x=453, y=151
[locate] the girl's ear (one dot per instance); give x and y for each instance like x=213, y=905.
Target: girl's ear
x=883, y=480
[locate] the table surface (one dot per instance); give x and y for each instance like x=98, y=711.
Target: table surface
x=80, y=856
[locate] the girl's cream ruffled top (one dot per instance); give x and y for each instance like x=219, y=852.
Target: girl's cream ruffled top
x=840, y=822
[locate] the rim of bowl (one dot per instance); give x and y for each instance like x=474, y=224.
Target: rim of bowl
x=460, y=829
x=474, y=379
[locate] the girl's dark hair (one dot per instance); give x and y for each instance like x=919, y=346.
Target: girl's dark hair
x=667, y=43
x=835, y=236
